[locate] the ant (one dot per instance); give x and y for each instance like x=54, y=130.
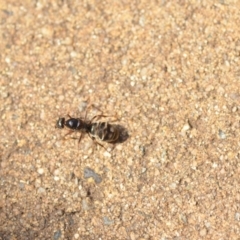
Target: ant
x=102, y=131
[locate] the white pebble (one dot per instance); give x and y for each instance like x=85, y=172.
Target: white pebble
x=40, y=171
x=41, y=190
x=186, y=127
x=56, y=178
x=107, y=154
x=76, y=235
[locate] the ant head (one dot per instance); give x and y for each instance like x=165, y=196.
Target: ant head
x=60, y=123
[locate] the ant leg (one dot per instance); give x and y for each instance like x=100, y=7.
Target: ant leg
x=69, y=133
x=97, y=117
x=85, y=116
x=94, y=106
x=115, y=118
x=96, y=142
x=100, y=116
x=79, y=140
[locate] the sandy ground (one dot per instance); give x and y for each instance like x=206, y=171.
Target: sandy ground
x=169, y=71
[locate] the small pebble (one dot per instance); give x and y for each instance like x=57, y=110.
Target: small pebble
x=107, y=221
x=76, y=236
x=186, y=127
x=83, y=192
x=203, y=232
x=40, y=171
x=88, y=172
x=234, y=109
x=107, y=154
x=56, y=178
x=221, y=134
x=57, y=235
x=85, y=205
x=41, y=190
x=237, y=216
x=21, y=185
